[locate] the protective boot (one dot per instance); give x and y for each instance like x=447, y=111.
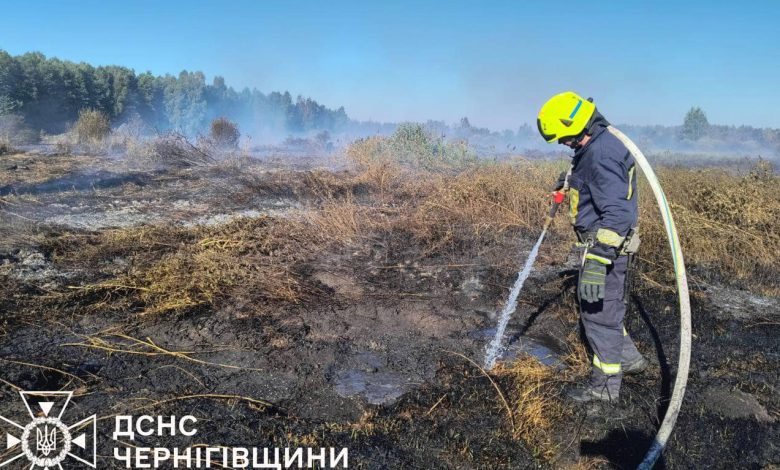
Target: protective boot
x=636, y=367
x=632, y=362
x=601, y=386
x=589, y=392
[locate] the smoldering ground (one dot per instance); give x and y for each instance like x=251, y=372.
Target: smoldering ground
x=321, y=306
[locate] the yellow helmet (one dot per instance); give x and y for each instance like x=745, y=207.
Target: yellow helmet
x=564, y=115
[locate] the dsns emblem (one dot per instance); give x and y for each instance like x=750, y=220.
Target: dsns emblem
x=46, y=441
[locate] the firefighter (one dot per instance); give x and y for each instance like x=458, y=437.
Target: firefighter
x=602, y=196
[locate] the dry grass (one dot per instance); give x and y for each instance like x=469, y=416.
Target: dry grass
x=577, y=359
x=367, y=426
x=484, y=203
x=175, y=269
x=727, y=222
x=250, y=258
x=727, y=231
x=536, y=404
x=342, y=220
x=118, y=343
x=499, y=392
x=587, y=463
x=727, y=226
x=23, y=169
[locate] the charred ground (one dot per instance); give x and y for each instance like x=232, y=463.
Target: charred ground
x=296, y=305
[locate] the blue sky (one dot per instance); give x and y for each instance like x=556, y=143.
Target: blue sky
x=495, y=62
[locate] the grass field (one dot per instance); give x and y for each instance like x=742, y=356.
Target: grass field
x=416, y=235
x=727, y=224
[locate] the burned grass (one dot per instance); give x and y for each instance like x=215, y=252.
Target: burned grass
x=390, y=264
x=21, y=168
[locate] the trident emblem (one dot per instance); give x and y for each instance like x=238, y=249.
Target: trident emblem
x=46, y=442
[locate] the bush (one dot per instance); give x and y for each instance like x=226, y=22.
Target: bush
x=63, y=143
x=128, y=138
x=412, y=145
x=5, y=146
x=174, y=149
x=727, y=226
x=224, y=133
x=91, y=127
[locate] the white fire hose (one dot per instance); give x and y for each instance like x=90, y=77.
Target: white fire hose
x=684, y=361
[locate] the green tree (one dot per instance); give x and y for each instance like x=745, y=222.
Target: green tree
x=695, y=125
x=10, y=76
x=48, y=94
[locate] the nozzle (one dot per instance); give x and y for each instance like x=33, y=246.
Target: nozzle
x=558, y=197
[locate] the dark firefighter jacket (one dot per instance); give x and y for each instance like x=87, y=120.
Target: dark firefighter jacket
x=602, y=192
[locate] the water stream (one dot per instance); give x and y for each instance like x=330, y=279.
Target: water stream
x=494, y=349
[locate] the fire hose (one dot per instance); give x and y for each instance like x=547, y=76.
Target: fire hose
x=683, y=363
x=681, y=380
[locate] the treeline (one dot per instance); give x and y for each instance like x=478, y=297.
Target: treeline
x=694, y=135
x=48, y=94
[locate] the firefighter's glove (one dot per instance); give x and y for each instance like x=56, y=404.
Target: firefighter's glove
x=560, y=183
x=592, y=280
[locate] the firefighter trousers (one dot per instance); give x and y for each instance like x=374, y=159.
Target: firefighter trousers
x=611, y=346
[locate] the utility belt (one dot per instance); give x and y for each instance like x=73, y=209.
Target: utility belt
x=629, y=246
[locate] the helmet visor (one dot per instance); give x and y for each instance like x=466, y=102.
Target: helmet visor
x=547, y=137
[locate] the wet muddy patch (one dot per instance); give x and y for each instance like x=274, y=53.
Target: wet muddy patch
x=544, y=348
x=376, y=387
